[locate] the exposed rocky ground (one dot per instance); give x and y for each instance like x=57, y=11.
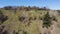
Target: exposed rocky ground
x=28, y=20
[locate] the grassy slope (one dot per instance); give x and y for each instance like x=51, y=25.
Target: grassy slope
x=13, y=23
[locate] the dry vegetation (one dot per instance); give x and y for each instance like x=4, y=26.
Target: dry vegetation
x=26, y=20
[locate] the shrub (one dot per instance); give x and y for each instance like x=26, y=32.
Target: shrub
x=47, y=20
x=3, y=18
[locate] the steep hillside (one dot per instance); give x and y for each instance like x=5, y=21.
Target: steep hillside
x=30, y=21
